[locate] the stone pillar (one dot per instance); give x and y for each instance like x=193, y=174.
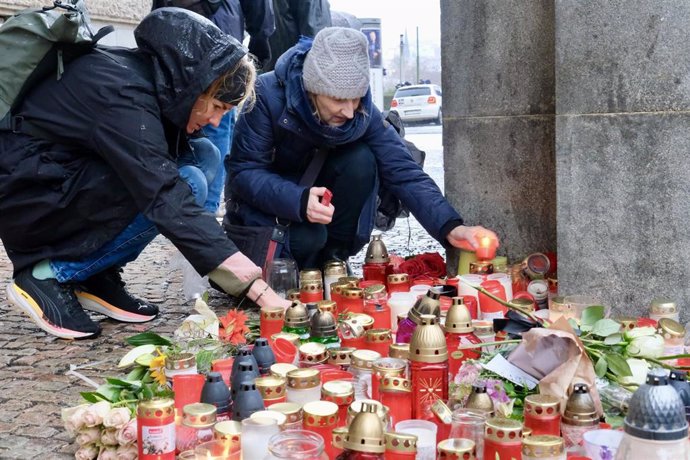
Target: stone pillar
x=623, y=146
x=498, y=127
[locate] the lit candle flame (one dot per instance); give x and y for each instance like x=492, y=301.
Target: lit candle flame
x=485, y=242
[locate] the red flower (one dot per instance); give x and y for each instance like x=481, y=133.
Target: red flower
x=233, y=327
x=396, y=261
x=428, y=265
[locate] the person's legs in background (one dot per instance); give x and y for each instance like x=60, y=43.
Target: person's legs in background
x=199, y=168
x=221, y=137
x=306, y=242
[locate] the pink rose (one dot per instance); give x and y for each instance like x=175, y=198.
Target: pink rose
x=73, y=417
x=108, y=453
x=127, y=452
x=88, y=435
x=117, y=417
x=109, y=437
x=88, y=452
x=128, y=433
x=95, y=413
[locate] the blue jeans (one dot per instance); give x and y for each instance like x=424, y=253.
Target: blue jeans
x=221, y=138
x=197, y=168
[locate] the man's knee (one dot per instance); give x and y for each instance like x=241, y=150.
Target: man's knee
x=359, y=164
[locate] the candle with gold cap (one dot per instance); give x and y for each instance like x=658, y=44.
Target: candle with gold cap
x=395, y=392
x=543, y=447
x=456, y=449
x=502, y=439
x=385, y=366
x=292, y=412
x=333, y=270
x=400, y=446
x=297, y=320
x=156, y=429
x=428, y=304
x=321, y=417
x=304, y=385
x=229, y=432
x=459, y=334
x=580, y=416
x=376, y=260
x=543, y=414
x=271, y=320
x=352, y=300
x=340, y=357
x=398, y=282
x=364, y=439
x=362, y=368
x=310, y=286
x=342, y=393
x=273, y=389
x=378, y=340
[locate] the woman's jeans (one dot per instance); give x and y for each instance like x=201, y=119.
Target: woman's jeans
x=222, y=139
x=197, y=168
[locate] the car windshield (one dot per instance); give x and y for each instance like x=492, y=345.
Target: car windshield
x=409, y=92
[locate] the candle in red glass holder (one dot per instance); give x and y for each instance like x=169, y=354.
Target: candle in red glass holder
x=223, y=367
x=490, y=308
x=542, y=415
x=156, y=429
x=400, y=446
x=398, y=282
x=457, y=449
x=378, y=340
x=502, y=439
x=395, y=392
x=342, y=393
x=321, y=417
x=376, y=260
x=352, y=300
x=392, y=367
x=337, y=289
x=310, y=291
x=460, y=335
x=428, y=367
x=486, y=249
x=376, y=305
x=271, y=320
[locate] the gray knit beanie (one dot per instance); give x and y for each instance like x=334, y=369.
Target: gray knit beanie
x=337, y=64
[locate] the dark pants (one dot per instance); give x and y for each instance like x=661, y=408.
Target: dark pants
x=349, y=172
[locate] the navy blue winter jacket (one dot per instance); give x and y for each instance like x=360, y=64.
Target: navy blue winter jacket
x=274, y=142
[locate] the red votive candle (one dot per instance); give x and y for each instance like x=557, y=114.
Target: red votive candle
x=542, y=415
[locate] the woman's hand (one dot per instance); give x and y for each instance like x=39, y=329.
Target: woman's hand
x=318, y=213
x=468, y=238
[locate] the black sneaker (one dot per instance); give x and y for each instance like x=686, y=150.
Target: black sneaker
x=52, y=306
x=105, y=293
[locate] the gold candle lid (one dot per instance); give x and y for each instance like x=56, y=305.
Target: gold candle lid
x=480, y=399
x=400, y=442
x=366, y=321
x=365, y=433
x=312, y=353
x=156, y=408
x=323, y=324
x=395, y=384
x=399, y=350
x=376, y=251
x=340, y=392
x=272, y=313
x=296, y=315
x=390, y=366
x=199, y=415
x=580, y=409
x=374, y=291
x=457, y=449
x=428, y=343
x=319, y=414
x=338, y=437
x=271, y=386
x=327, y=306
x=670, y=329
x=351, y=280
x=281, y=369
x=356, y=407
x=335, y=268
x=338, y=287
x=311, y=274
x=481, y=268
x=428, y=304
x=292, y=411
x=458, y=319
x=364, y=359
x=310, y=286
x=442, y=412
x=500, y=429
x=340, y=355
x=279, y=417
x=289, y=336
x=378, y=335
x=526, y=432
x=293, y=294
x=483, y=327
x=663, y=306
x=353, y=293
x=229, y=431
x=542, y=405
x=543, y=446
x=627, y=322
x=180, y=361
x=303, y=378
x=398, y=278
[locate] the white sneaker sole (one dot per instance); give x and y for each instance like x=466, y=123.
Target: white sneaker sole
x=22, y=301
x=92, y=303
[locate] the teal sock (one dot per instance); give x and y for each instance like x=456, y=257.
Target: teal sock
x=42, y=270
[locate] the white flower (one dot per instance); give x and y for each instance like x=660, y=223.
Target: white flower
x=95, y=413
x=108, y=453
x=129, y=452
x=109, y=437
x=639, y=332
x=73, y=417
x=88, y=435
x=128, y=433
x=88, y=452
x=639, y=369
x=117, y=417
x=646, y=346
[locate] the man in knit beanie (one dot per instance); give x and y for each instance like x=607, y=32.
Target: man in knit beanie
x=316, y=105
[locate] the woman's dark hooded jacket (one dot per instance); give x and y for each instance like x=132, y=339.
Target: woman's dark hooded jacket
x=275, y=141
x=122, y=115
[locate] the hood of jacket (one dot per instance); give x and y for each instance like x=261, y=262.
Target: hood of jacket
x=189, y=53
x=288, y=71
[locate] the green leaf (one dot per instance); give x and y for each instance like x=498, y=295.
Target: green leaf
x=109, y=392
x=146, y=392
x=618, y=365
x=148, y=338
x=136, y=374
x=123, y=383
x=613, y=339
x=591, y=315
x=204, y=297
x=600, y=367
x=606, y=327
x=92, y=396
x=573, y=324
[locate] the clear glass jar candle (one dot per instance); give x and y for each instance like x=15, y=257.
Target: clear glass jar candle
x=362, y=369
x=296, y=445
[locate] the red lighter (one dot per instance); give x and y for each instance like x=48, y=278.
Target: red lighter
x=326, y=198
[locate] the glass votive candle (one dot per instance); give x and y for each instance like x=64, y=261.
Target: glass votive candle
x=456, y=449
x=469, y=424
x=271, y=320
x=255, y=435
x=543, y=447
x=340, y=357
x=303, y=385
x=292, y=411
x=379, y=340
x=279, y=417
x=542, y=415
x=333, y=270
x=352, y=300
x=398, y=282
x=396, y=394
x=293, y=444
x=393, y=367
x=502, y=438
x=228, y=432
x=197, y=426
x=663, y=308
x=400, y=446
x=340, y=392
x=281, y=369
x=214, y=450
x=674, y=338
x=420, y=290
x=321, y=417
x=312, y=354
x=273, y=389
x=362, y=368
x=484, y=331
x=426, y=436
x=400, y=303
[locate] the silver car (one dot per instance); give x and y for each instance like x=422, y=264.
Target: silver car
x=418, y=103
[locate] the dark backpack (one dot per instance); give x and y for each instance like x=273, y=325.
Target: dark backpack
x=389, y=206
x=37, y=43
x=206, y=8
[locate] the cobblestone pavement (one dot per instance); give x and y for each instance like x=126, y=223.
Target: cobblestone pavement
x=35, y=383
